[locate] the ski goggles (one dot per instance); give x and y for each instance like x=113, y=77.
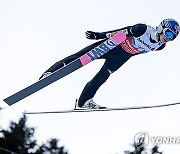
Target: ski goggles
x=169, y=34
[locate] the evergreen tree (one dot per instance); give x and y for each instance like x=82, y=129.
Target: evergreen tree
x=52, y=147
x=137, y=149
x=142, y=150
x=19, y=138
x=155, y=150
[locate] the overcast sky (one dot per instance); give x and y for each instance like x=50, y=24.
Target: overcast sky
x=34, y=34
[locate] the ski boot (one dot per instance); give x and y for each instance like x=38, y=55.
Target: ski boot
x=90, y=104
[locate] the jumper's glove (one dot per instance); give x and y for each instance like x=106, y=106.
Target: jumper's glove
x=92, y=35
x=95, y=35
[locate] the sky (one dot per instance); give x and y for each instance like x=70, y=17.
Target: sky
x=35, y=34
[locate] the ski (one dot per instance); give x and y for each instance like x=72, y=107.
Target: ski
x=107, y=109
x=95, y=53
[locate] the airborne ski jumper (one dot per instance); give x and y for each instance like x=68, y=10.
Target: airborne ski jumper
x=116, y=47
x=140, y=38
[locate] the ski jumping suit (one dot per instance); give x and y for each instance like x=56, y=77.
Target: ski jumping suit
x=141, y=38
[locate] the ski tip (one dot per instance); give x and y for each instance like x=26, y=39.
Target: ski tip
x=7, y=102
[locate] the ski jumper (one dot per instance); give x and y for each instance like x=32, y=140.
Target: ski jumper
x=141, y=38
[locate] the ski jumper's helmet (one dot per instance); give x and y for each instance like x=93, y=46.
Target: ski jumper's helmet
x=169, y=27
